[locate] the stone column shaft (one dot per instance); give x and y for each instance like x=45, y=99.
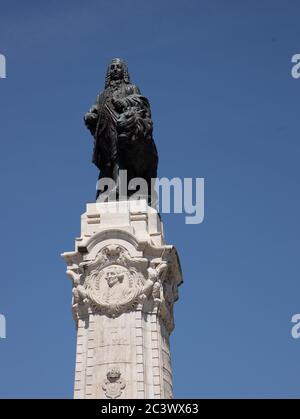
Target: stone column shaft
x=125, y=281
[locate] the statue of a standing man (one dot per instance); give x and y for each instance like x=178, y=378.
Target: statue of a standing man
x=121, y=124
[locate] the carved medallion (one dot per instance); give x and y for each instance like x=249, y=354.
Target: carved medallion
x=114, y=282
x=113, y=289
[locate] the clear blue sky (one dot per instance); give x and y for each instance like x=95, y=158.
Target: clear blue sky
x=225, y=108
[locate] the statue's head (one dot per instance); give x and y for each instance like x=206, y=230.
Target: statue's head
x=117, y=70
x=112, y=278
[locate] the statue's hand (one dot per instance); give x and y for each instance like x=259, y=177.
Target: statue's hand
x=89, y=117
x=90, y=120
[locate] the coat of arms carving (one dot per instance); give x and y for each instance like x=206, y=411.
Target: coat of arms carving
x=113, y=384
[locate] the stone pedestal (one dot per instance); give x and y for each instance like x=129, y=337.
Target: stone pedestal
x=125, y=281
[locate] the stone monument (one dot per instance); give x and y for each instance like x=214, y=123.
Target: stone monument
x=125, y=277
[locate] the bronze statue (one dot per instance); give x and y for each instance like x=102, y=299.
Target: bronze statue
x=120, y=122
